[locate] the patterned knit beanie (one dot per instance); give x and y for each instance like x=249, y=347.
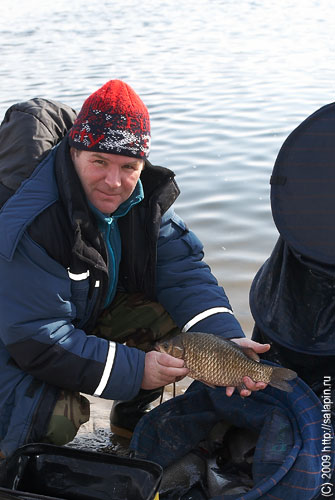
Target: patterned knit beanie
x=113, y=120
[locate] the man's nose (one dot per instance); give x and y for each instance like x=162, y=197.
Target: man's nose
x=113, y=177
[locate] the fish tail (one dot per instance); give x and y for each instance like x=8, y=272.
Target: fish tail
x=280, y=376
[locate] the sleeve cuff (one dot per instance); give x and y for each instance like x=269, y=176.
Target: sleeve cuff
x=220, y=323
x=123, y=373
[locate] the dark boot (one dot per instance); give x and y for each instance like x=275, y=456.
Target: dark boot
x=124, y=415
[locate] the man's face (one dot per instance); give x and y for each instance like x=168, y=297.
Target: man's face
x=108, y=180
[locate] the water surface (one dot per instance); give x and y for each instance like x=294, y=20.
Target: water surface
x=225, y=83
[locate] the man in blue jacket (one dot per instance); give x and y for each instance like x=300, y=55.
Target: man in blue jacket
x=95, y=266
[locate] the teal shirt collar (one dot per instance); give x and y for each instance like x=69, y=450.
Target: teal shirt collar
x=107, y=224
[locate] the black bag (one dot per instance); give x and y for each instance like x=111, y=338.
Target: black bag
x=42, y=471
x=27, y=133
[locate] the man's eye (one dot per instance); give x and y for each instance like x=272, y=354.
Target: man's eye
x=99, y=162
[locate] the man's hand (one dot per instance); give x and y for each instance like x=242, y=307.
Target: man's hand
x=161, y=369
x=248, y=382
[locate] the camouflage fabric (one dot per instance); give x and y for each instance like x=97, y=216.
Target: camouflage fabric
x=136, y=321
x=70, y=412
x=131, y=319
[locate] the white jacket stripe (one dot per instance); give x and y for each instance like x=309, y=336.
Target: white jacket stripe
x=80, y=276
x=205, y=314
x=108, y=368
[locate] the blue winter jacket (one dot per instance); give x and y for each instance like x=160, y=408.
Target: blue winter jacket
x=46, y=306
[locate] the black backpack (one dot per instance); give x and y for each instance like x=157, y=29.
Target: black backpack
x=28, y=132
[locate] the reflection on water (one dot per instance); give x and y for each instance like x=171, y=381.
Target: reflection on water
x=225, y=83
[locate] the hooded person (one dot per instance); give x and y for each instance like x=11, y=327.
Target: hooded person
x=95, y=267
x=292, y=295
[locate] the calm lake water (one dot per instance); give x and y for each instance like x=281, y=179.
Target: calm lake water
x=225, y=83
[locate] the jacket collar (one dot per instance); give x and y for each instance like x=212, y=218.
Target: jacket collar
x=88, y=244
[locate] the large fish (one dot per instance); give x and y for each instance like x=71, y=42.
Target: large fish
x=221, y=362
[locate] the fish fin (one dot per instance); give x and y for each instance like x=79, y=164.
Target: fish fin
x=280, y=376
x=247, y=351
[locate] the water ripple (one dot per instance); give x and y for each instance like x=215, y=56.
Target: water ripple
x=225, y=83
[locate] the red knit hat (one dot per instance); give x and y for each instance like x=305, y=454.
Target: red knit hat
x=113, y=120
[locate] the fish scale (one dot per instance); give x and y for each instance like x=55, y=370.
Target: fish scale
x=218, y=362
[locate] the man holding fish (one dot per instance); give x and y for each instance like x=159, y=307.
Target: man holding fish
x=95, y=269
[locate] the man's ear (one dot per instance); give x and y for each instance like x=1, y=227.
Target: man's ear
x=74, y=153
